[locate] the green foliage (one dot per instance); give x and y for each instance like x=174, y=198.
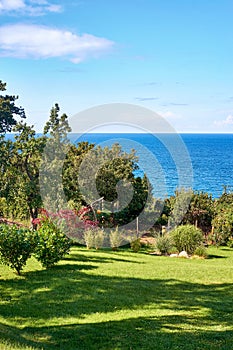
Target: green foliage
x=223, y=224
x=136, y=245
x=201, y=251
x=164, y=243
x=187, y=237
x=8, y=111
x=57, y=146
x=115, y=238
x=94, y=238
x=179, y=205
x=16, y=246
x=99, y=239
x=89, y=238
x=230, y=242
x=201, y=211
x=23, y=170
x=57, y=126
x=72, y=162
x=52, y=244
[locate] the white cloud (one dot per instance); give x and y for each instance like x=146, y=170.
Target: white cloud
x=11, y=5
x=41, y=42
x=224, y=122
x=30, y=7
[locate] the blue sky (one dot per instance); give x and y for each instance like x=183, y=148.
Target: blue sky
x=174, y=57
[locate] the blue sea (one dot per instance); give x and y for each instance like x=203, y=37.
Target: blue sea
x=201, y=161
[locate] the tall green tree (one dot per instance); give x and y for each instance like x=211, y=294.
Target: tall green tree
x=54, y=155
x=28, y=149
x=8, y=111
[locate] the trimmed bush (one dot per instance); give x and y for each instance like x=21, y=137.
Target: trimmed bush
x=164, y=244
x=52, y=244
x=187, y=237
x=16, y=246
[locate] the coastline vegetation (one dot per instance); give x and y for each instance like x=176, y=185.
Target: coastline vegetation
x=69, y=297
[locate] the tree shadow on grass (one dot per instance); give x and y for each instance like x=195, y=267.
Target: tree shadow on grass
x=160, y=333
x=112, y=258
x=146, y=333
x=71, y=293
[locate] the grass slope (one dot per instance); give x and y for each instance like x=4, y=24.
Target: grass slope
x=119, y=300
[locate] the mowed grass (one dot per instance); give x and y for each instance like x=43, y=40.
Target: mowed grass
x=119, y=300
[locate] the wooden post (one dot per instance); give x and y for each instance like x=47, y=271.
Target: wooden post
x=137, y=226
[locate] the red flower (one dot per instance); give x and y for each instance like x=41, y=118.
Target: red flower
x=36, y=221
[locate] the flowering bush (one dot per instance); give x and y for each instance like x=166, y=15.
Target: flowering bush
x=73, y=224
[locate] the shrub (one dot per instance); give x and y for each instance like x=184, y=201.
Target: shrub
x=115, y=238
x=223, y=225
x=164, y=243
x=94, y=238
x=52, y=244
x=16, y=246
x=99, y=239
x=230, y=242
x=201, y=251
x=89, y=238
x=136, y=245
x=187, y=237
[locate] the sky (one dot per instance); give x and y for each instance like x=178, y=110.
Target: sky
x=173, y=57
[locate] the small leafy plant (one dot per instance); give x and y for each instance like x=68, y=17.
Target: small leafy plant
x=99, y=239
x=164, y=243
x=135, y=245
x=201, y=251
x=115, y=238
x=89, y=238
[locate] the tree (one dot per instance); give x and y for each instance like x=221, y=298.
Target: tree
x=8, y=111
x=72, y=162
x=57, y=127
x=55, y=151
x=223, y=218
x=22, y=160
x=179, y=206
x=200, y=211
x=28, y=149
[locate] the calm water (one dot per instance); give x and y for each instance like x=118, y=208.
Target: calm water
x=210, y=154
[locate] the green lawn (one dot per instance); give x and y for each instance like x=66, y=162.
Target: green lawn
x=119, y=300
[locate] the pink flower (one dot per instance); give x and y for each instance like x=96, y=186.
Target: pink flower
x=36, y=221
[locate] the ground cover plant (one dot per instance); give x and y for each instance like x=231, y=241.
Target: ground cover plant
x=119, y=300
